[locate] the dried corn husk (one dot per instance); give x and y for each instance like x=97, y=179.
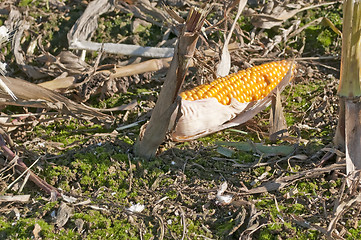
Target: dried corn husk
x=194, y=119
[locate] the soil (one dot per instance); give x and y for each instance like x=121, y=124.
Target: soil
x=234, y=184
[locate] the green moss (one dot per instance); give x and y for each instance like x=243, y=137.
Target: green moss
x=296, y=208
x=196, y=228
x=49, y=206
x=95, y=169
x=325, y=38
x=307, y=187
x=354, y=233
x=225, y=227
x=114, y=101
x=302, y=95
x=320, y=39
x=244, y=157
x=266, y=235
x=276, y=212
x=127, y=140
x=259, y=171
x=175, y=226
x=285, y=230
x=66, y=131
x=24, y=3
x=23, y=228
x=314, y=146
x=172, y=194
x=209, y=140
x=104, y=227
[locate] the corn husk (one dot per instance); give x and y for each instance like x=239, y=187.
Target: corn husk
x=194, y=119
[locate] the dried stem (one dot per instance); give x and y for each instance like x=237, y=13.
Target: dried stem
x=339, y=139
x=349, y=126
x=67, y=83
x=123, y=49
x=20, y=166
x=157, y=127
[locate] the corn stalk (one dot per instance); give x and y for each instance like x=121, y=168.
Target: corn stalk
x=153, y=133
x=349, y=126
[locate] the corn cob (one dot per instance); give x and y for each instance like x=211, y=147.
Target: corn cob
x=248, y=85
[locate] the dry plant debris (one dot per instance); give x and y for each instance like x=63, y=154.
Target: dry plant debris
x=234, y=184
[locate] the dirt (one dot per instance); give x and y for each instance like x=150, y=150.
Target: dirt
x=233, y=184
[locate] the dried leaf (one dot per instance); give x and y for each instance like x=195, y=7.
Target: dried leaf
x=279, y=15
x=278, y=125
x=173, y=14
x=225, y=63
x=68, y=199
x=222, y=188
x=223, y=199
x=63, y=214
x=71, y=63
x=32, y=95
x=340, y=210
x=281, y=182
x=332, y=26
x=85, y=26
x=36, y=231
x=30, y=71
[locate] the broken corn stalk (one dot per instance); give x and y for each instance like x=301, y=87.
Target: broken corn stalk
x=228, y=101
x=349, y=126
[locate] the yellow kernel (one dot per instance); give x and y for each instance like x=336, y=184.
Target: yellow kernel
x=183, y=95
x=219, y=98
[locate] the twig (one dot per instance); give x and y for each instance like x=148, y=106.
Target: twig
x=16, y=198
x=130, y=174
x=25, y=115
x=299, y=58
x=241, y=216
x=184, y=222
x=20, y=165
x=340, y=210
x=281, y=182
x=22, y=174
x=123, y=49
x=161, y=223
x=24, y=182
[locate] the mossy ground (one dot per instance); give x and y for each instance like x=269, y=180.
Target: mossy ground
x=179, y=187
